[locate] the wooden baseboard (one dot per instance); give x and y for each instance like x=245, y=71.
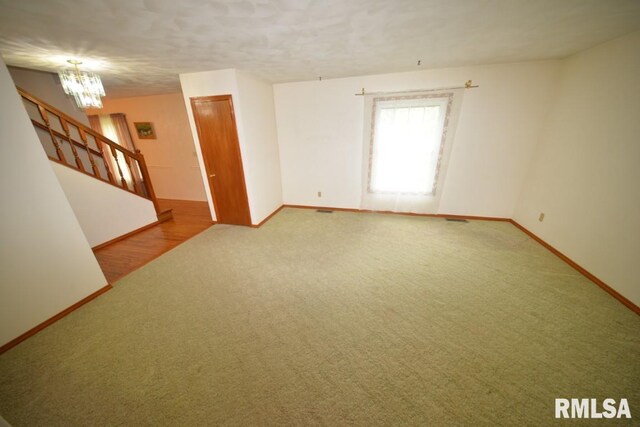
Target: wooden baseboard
x=267, y=218
x=580, y=269
x=479, y=218
x=129, y=234
x=472, y=217
x=31, y=332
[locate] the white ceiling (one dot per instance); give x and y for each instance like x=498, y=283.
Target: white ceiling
x=140, y=46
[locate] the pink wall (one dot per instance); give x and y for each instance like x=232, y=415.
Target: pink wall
x=171, y=157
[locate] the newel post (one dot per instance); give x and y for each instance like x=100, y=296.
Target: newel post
x=147, y=180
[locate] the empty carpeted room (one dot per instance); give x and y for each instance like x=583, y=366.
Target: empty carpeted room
x=301, y=212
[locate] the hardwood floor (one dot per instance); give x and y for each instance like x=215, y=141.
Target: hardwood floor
x=122, y=257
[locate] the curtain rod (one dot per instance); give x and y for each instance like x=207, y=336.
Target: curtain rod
x=468, y=85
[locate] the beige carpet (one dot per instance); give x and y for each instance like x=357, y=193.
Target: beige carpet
x=333, y=319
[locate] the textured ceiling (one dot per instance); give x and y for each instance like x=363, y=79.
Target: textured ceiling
x=140, y=46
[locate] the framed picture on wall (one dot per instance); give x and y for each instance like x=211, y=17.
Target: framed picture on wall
x=145, y=130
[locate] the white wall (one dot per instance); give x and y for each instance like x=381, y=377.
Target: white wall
x=103, y=211
x=320, y=128
x=586, y=170
x=262, y=159
x=47, y=87
x=46, y=264
x=171, y=157
x=257, y=136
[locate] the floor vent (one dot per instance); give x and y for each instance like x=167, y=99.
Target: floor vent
x=457, y=220
x=323, y=211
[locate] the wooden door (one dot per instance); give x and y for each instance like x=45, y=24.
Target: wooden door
x=218, y=136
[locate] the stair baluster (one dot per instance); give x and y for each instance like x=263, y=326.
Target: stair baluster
x=104, y=147
x=133, y=177
x=56, y=143
x=65, y=127
x=94, y=167
x=114, y=153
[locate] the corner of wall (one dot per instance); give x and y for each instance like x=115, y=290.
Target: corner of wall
x=252, y=123
x=47, y=264
x=584, y=174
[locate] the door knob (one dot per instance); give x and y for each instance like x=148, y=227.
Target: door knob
x=212, y=175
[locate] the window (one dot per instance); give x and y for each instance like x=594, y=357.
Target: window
x=406, y=145
x=407, y=142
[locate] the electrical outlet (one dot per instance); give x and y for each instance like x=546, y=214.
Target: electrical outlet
x=319, y=193
x=541, y=217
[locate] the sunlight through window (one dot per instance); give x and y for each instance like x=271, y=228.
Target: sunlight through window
x=406, y=146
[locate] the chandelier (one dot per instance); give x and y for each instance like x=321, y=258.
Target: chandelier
x=85, y=86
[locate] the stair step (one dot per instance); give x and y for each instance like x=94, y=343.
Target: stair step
x=165, y=215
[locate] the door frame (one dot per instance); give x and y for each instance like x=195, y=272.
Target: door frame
x=227, y=97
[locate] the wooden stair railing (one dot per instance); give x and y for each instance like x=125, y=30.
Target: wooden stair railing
x=73, y=144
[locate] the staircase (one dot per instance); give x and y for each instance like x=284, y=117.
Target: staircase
x=72, y=144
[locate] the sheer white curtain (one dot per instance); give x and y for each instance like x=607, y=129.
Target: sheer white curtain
x=407, y=143
x=109, y=130
x=124, y=139
x=115, y=127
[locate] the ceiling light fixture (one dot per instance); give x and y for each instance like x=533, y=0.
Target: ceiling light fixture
x=86, y=87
